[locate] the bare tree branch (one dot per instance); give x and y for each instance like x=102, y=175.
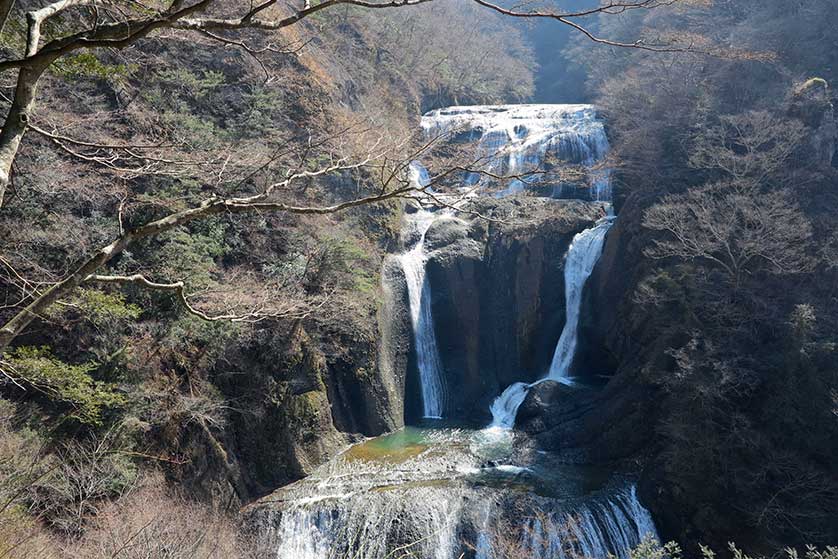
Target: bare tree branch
x=250, y=21
x=609, y=8
x=180, y=15
x=737, y=232
x=178, y=288
x=35, y=19
x=209, y=207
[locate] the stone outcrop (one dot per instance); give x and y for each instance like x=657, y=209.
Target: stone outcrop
x=497, y=294
x=810, y=103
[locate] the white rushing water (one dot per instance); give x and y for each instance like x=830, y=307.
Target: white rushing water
x=372, y=527
x=452, y=493
x=582, y=256
x=602, y=529
x=426, y=523
x=519, y=139
x=440, y=502
x=505, y=407
x=419, y=293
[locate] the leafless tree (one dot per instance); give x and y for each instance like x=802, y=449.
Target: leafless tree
x=747, y=147
x=99, y=24
x=396, y=185
x=388, y=175
x=735, y=231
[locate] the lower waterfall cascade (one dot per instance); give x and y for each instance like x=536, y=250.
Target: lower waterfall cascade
x=582, y=256
x=446, y=490
x=418, y=289
x=440, y=493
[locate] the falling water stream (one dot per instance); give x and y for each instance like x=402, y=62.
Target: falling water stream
x=419, y=295
x=443, y=490
x=582, y=256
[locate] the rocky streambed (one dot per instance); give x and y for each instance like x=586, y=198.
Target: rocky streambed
x=439, y=491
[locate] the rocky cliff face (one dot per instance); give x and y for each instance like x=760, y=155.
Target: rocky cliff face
x=300, y=398
x=629, y=343
x=811, y=103
x=497, y=296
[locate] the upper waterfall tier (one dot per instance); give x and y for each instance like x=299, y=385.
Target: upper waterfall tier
x=518, y=140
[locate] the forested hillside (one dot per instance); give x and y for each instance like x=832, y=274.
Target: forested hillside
x=727, y=176
x=121, y=380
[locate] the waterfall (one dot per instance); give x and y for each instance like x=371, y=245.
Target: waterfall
x=598, y=530
x=419, y=293
x=371, y=527
x=582, y=256
x=517, y=140
x=440, y=493
x=431, y=493
x=435, y=523
x=505, y=407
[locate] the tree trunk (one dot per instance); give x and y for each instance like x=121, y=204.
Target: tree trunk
x=17, y=118
x=36, y=308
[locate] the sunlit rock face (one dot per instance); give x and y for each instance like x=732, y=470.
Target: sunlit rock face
x=517, y=140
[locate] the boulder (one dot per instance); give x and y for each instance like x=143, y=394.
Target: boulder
x=810, y=102
x=545, y=396
x=444, y=232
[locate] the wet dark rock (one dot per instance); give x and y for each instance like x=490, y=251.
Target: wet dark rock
x=306, y=391
x=546, y=397
x=588, y=424
x=497, y=296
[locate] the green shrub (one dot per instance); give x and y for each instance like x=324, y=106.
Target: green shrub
x=348, y=263
x=86, y=65
x=66, y=385
x=192, y=83
x=189, y=253
x=100, y=308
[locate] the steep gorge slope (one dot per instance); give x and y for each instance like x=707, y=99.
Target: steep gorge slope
x=729, y=340
x=228, y=411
